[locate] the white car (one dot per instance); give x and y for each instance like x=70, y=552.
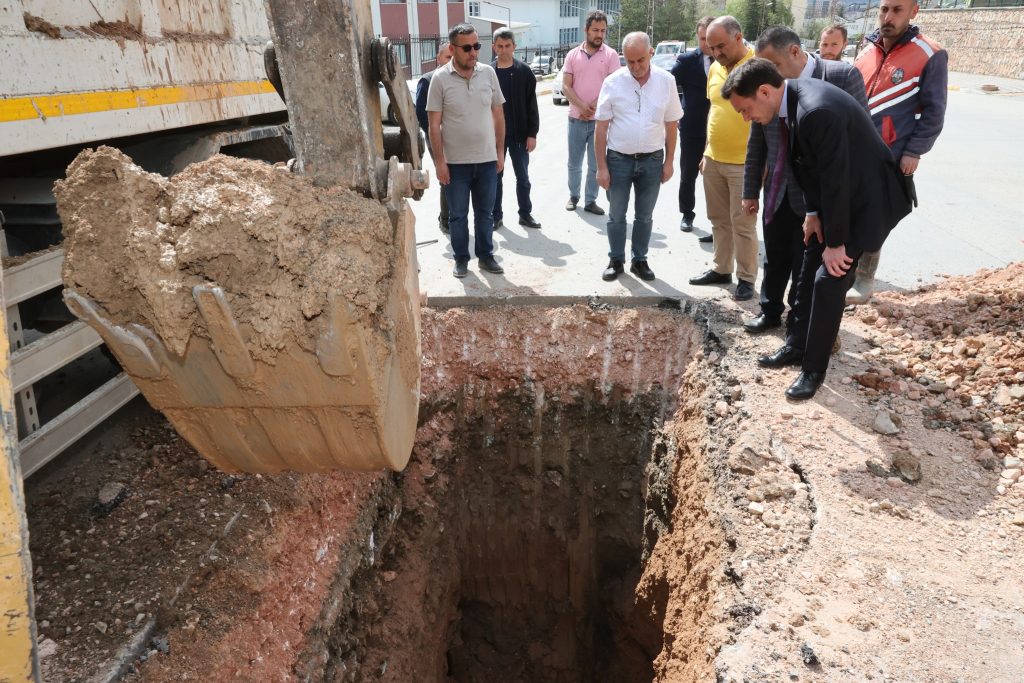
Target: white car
x=557, y=96
x=387, y=112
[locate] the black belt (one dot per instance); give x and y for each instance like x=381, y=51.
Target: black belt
x=637, y=155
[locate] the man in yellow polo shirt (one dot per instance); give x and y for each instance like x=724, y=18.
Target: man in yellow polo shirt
x=734, y=231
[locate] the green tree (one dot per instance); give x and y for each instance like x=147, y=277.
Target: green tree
x=757, y=15
x=671, y=20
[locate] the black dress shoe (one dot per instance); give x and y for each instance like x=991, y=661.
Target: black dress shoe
x=571, y=204
x=461, y=269
x=706, y=239
x=528, y=221
x=711, y=278
x=499, y=224
x=686, y=224
x=613, y=270
x=593, y=208
x=761, y=323
x=642, y=270
x=744, y=291
x=805, y=386
x=786, y=355
x=491, y=266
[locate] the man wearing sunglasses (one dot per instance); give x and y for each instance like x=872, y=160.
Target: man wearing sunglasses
x=467, y=138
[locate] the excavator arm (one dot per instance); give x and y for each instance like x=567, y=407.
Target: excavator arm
x=351, y=400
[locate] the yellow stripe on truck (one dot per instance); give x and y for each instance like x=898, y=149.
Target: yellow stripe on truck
x=72, y=104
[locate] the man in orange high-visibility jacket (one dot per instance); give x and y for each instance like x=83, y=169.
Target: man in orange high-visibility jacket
x=905, y=74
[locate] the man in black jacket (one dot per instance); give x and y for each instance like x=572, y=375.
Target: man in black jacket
x=691, y=74
x=783, y=201
x=853, y=191
x=522, y=121
x=444, y=55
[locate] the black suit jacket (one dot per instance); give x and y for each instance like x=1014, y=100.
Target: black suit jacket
x=848, y=175
x=692, y=84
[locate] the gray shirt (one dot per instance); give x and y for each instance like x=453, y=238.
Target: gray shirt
x=467, y=125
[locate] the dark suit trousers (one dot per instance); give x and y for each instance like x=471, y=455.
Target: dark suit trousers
x=443, y=217
x=783, y=259
x=818, y=309
x=691, y=150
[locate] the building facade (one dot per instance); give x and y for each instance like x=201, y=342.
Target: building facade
x=414, y=26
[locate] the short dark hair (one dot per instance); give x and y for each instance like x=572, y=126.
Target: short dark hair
x=836, y=27
x=778, y=38
x=750, y=76
x=704, y=22
x=459, y=30
x=596, y=15
x=504, y=33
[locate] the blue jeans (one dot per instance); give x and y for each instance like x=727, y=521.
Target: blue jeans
x=581, y=137
x=516, y=151
x=478, y=181
x=643, y=176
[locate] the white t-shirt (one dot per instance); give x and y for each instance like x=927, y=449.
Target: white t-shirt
x=638, y=113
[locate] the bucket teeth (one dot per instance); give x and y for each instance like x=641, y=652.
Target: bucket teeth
x=224, y=332
x=129, y=347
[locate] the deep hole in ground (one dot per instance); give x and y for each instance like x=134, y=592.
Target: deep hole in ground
x=519, y=552
x=557, y=522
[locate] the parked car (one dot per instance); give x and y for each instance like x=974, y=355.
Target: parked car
x=387, y=112
x=622, y=60
x=669, y=47
x=665, y=61
x=542, y=65
x=557, y=96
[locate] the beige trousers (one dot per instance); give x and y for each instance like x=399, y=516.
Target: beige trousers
x=735, y=232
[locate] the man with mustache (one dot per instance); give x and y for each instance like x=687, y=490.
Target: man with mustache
x=905, y=74
x=467, y=138
x=832, y=42
x=636, y=117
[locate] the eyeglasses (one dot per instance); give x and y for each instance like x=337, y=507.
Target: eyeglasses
x=639, y=97
x=470, y=48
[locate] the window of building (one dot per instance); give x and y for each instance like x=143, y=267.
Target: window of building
x=568, y=36
x=609, y=6
x=392, y=2
x=473, y=8
x=568, y=8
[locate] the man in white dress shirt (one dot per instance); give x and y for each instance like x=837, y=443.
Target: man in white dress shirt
x=637, y=112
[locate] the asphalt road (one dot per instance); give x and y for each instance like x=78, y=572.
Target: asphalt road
x=971, y=188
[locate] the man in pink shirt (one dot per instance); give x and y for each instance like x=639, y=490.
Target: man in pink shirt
x=586, y=67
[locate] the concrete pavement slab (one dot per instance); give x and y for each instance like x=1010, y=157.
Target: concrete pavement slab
x=970, y=217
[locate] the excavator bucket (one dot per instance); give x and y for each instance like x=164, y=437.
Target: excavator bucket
x=346, y=394
x=348, y=402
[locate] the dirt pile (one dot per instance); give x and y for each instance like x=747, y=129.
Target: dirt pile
x=137, y=243
x=957, y=347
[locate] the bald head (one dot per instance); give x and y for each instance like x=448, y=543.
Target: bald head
x=636, y=38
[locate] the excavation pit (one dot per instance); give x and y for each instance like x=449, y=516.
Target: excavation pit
x=556, y=523
x=540, y=486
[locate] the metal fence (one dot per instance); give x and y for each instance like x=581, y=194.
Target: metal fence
x=418, y=54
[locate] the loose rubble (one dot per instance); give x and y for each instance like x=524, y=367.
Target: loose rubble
x=956, y=350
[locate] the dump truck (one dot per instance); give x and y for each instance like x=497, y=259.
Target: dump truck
x=170, y=84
